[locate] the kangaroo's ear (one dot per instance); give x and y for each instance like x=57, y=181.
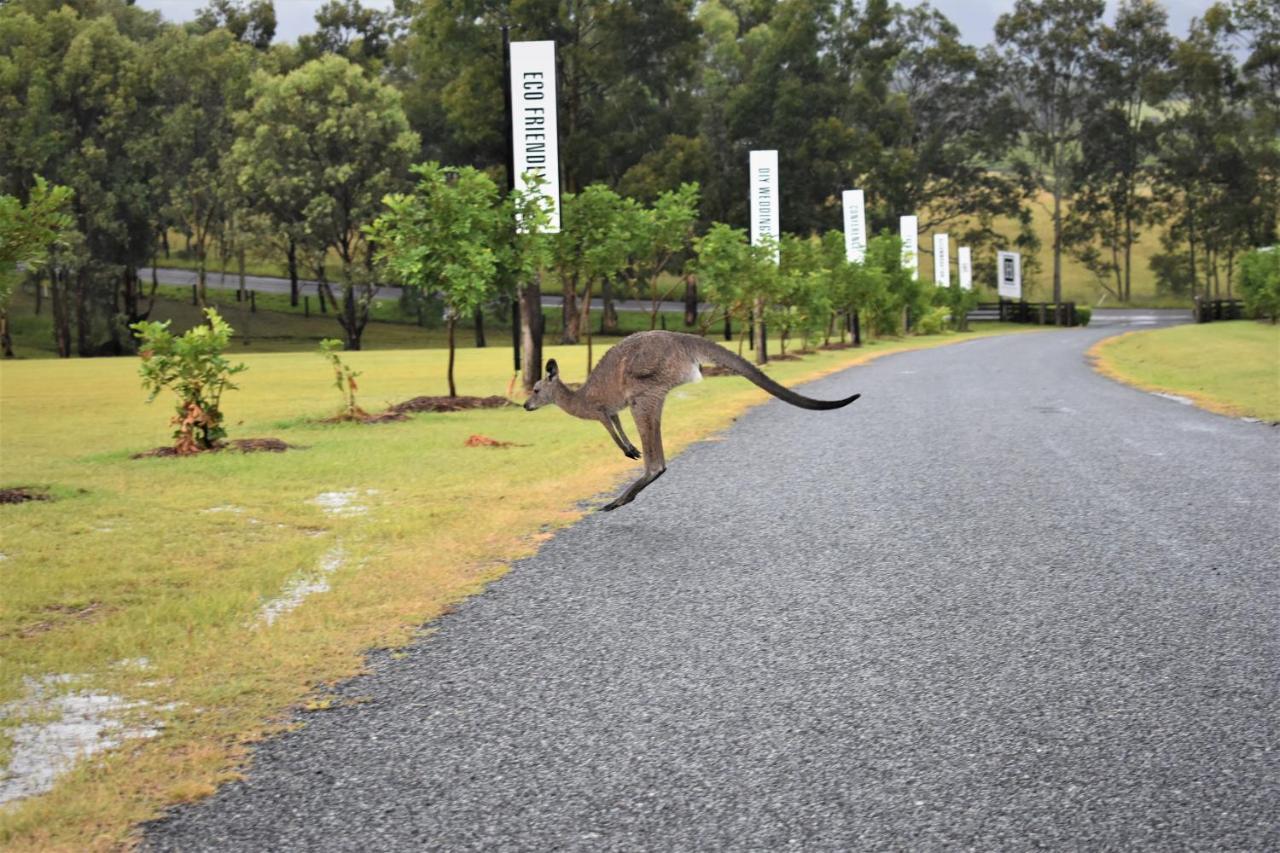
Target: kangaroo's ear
x=552, y=369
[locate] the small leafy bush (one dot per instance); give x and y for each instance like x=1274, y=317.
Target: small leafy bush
x=934, y=322
x=344, y=378
x=1083, y=315
x=1260, y=283
x=192, y=366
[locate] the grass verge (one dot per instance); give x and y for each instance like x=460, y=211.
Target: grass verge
x=1232, y=368
x=152, y=580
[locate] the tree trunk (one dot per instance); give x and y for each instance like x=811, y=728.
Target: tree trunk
x=569, y=314
x=39, y=280
x=531, y=331
x=728, y=327
x=762, y=357
x=453, y=391
x=84, y=321
x=690, y=301
x=584, y=320
x=60, y=298
x=240, y=271
x=291, y=254
x=479, y=319
x=6, y=343
x=1057, y=244
x=609, y=316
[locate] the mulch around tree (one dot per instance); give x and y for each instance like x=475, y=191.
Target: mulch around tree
x=835, y=346
x=363, y=417
x=22, y=494
x=787, y=357
x=244, y=445
x=450, y=404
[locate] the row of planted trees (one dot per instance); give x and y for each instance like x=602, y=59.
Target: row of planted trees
x=456, y=238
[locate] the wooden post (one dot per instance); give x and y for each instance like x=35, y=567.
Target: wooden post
x=857, y=327
x=194, y=297
x=306, y=306
x=253, y=301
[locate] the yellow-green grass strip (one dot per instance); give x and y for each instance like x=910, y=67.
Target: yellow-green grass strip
x=1232, y=368
x=178, y=556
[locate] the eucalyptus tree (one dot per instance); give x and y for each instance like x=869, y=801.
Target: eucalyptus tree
x=441, y=237
x=333, y=142
x=1047, y=46
x=28, y=232
x=252, y=22
x=660, y=234
x=592, y=247
x=1121, y=128
x=202, y=83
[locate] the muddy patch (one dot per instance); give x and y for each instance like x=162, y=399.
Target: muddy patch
x=788, y=357
x=244, y=445
x=59, y=615
x=362, y=417
x=450, y=404
x=485, y=441
x=22, y=494
x=827, y=347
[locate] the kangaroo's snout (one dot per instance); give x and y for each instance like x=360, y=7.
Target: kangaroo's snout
x=527, y=405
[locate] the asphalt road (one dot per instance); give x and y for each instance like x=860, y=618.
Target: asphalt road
x=999, y=603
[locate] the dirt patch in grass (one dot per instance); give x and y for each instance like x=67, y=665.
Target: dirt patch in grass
x=485, y=441
x=61, y=614
x=450, y=404
x=22, y=494
x=244, y=445
x=788, y=357
x=828, y=347
x=711, y=370
x=363, y=417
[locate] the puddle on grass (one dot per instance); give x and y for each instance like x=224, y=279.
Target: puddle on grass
x=340, y=503
x=224, y=508
x=300, y=587
x=63, y=728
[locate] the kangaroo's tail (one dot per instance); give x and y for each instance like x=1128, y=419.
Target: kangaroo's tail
x=706, y=351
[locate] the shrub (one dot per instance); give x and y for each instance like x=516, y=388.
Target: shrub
x=343, y=377
x=933, y=322
x=1083, y=315
x=192, y=366
x=1260, y=282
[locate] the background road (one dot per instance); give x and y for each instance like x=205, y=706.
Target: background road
x=1000, y=602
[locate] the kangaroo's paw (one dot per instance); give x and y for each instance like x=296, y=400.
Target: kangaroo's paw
x=614, y=504
x=632, y=453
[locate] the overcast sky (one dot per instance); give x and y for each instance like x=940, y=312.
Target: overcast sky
x=976, y=18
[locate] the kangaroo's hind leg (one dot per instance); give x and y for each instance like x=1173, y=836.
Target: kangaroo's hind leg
x=648, y=415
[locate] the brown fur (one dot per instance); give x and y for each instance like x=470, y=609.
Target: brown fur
x=637, y=373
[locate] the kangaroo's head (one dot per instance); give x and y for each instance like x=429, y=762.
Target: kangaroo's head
x=544, y=390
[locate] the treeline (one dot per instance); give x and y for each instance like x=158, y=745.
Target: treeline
x=249, y=148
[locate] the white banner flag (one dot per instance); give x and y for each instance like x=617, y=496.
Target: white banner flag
x=941, y=260
x=855, y=227
x=1009, y=275
x=533, y=119
x=764, y=199
x=966, y=268
x=910, y=245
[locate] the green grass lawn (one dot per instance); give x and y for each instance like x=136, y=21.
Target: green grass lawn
x=147, y=579
x=1227, y=367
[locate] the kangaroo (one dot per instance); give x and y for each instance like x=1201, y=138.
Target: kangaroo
x=638, y=372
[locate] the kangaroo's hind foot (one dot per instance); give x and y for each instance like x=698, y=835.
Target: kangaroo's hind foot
x=634, y=489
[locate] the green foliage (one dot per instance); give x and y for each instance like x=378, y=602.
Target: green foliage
x=193, y=367
x=344, y=378
x=28, y=232
x=804, y=297
x=1260, y=283
x=1083, y=315
x=732, y=273
x=934, y=321
x=959, y=303
x=659, y=235
x=594, y=244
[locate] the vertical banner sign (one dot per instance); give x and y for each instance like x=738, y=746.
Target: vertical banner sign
x=533, y=119
x=855, y=227
x=764, y=199
x=1009, y=275
x=941, y=260
x=910, y=245
x=965, y=262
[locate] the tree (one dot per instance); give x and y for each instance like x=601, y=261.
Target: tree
x=591, y=247
x=1047, y=46
x=202, y=80
x=659, y=234
x=1118, y=144
x=252, y=22
x=27, y=234
x=349, y=29
x=804, y=295
x=333, y=142
x=735, y=275
x=441, y=236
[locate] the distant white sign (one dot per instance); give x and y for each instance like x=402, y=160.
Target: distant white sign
x=907, y=228
x=533, y=119
x=855, y=227
x=764, y=199
x=1009, y=275
x=941, y=260
x=965, y=262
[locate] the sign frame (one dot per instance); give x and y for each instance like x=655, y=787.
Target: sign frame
x=942, y=260
x=855, y=226
x=535, y=136
x=964, y=264
x=909, y=231
x=763, y=167
x=1009, y=275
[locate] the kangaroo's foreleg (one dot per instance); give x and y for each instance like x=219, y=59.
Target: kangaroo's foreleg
x=648, y=415
x=619, y=437
x=627, y=447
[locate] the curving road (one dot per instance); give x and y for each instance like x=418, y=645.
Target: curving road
x=998, y=603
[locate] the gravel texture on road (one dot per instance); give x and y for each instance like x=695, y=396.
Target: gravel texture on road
x=998, y=603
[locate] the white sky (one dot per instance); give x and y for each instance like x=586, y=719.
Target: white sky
x=975, y=18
